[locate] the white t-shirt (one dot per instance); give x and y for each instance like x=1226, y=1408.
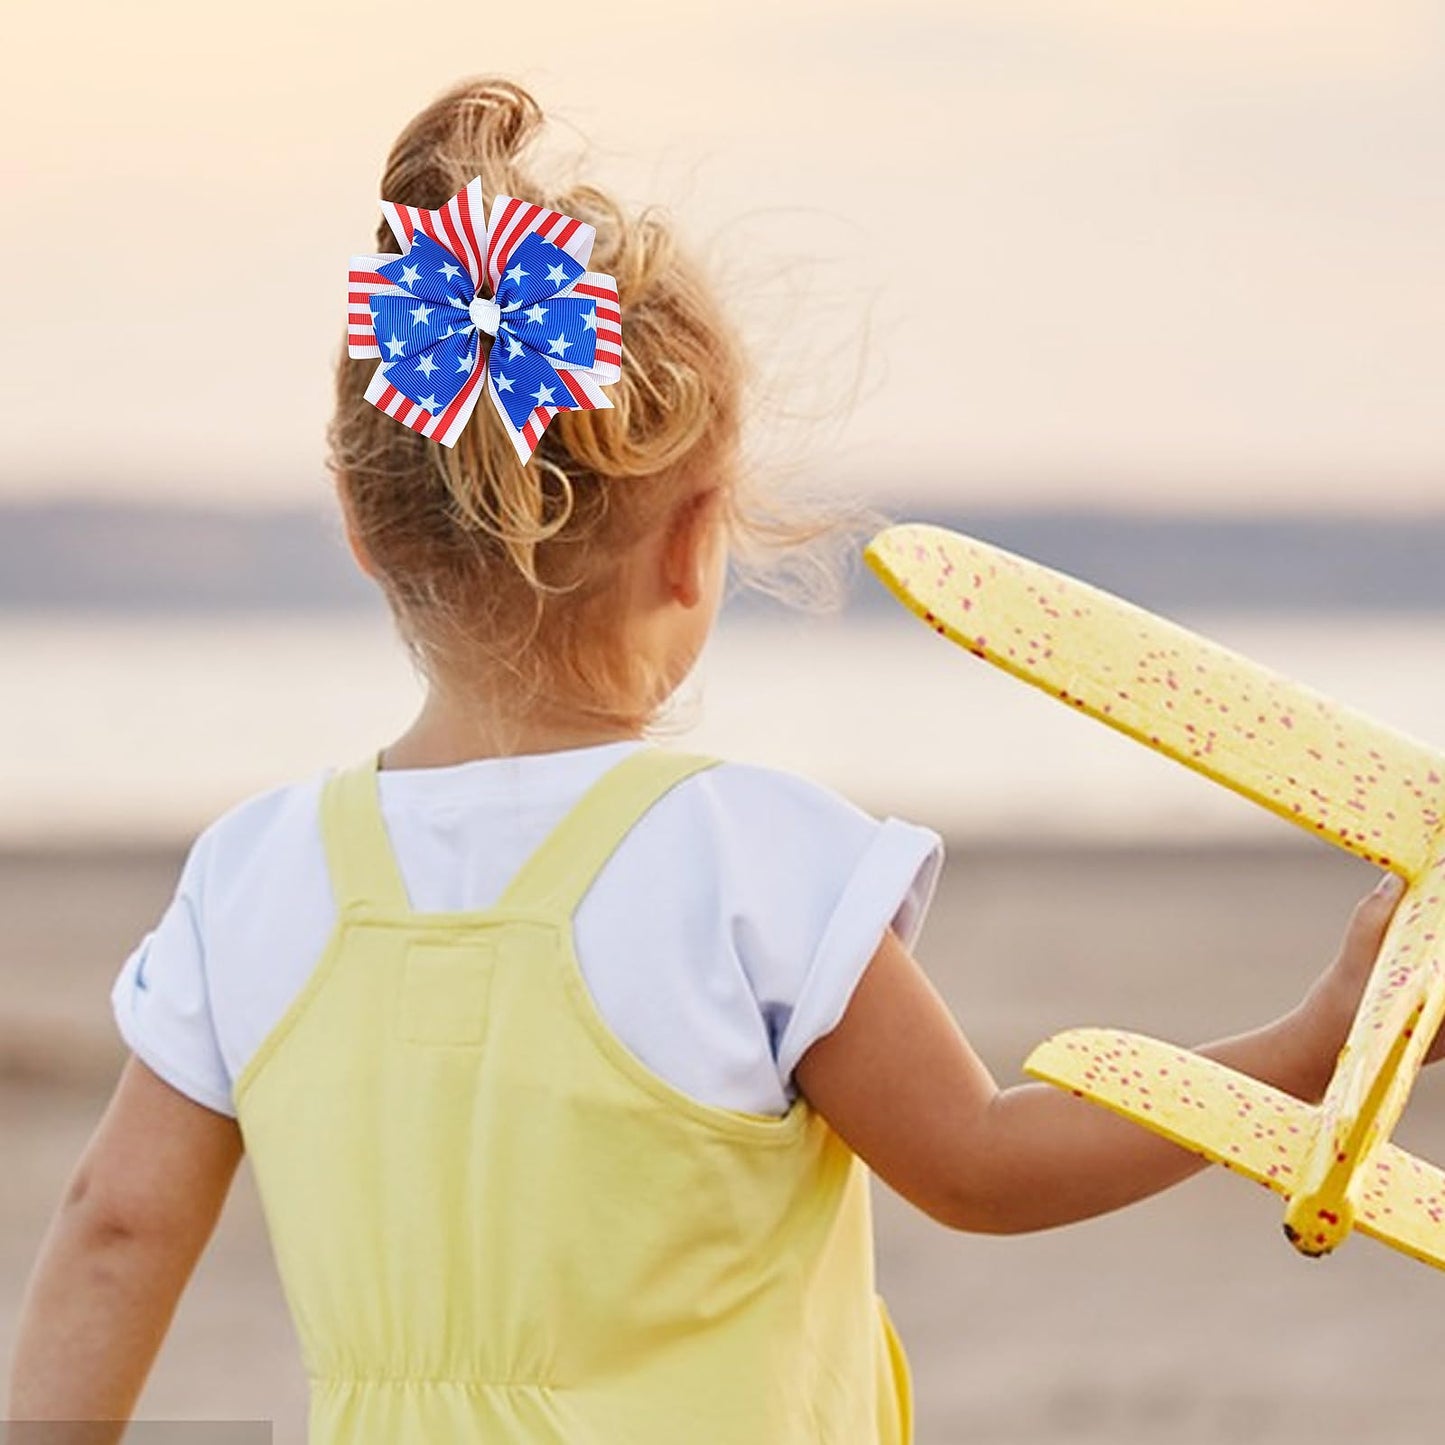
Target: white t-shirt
x=723, y=937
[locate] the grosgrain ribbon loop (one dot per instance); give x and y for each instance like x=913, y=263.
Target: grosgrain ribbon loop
x=521, y=280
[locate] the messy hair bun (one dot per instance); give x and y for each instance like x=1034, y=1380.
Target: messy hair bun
x=488, y=563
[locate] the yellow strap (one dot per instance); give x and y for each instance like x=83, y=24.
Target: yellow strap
x=358, y=851
x=554, y=879
x=557, y=876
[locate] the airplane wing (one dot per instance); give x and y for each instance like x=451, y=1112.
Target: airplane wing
x=1334, y=772
x=1248, y=1127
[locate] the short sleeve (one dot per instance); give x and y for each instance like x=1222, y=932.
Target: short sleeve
x=812, y=894
x=890, y=886
x=162, y=1004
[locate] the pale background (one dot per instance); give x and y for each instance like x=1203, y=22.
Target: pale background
x=1180, y=255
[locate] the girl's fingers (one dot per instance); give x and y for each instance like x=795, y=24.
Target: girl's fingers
x=1365, y=933
x=1375, y=910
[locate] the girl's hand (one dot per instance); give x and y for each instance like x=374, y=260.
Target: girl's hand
x=1329, y=1008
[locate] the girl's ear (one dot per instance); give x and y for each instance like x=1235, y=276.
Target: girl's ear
x=687, y=554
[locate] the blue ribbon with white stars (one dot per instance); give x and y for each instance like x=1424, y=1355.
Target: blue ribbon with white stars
x=430, y=329
x=508, y=308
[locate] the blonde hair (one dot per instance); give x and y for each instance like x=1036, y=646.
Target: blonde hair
x=496, y=569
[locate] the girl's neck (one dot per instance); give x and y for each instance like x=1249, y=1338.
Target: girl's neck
x=446, y=732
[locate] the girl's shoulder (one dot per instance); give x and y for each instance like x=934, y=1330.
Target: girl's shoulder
x=785, y=806
x=786, y=798
x=798, y=847
x=260, y=830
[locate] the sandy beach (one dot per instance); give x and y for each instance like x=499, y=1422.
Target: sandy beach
x=1186, y=1319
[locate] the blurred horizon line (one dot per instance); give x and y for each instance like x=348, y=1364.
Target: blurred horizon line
x=159, y=559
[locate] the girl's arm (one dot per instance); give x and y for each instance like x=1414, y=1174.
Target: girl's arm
x=901, y=1085
x=133, y=1221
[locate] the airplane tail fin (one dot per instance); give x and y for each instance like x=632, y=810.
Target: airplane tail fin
x=1250, y=1128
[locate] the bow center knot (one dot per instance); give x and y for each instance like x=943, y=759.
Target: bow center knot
x=486, y=315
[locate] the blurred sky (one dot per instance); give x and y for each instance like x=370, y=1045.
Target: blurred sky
x=1186, y=254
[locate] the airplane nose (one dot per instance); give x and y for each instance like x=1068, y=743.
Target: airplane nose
x=1316, y=1232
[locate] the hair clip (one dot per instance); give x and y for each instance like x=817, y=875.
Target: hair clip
x=555, y=328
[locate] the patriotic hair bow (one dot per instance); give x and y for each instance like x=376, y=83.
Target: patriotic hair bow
x=555, y=327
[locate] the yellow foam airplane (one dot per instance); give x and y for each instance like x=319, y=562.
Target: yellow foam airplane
x=1334, y=772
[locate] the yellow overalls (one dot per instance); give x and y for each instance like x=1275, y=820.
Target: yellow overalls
x=494, y=1223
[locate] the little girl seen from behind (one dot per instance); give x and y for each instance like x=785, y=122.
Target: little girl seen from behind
x=561, y=1060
